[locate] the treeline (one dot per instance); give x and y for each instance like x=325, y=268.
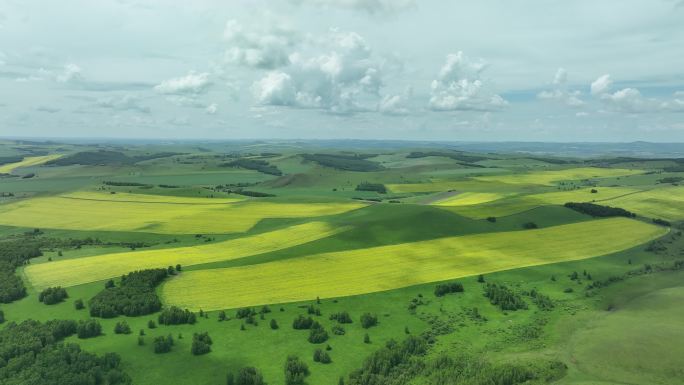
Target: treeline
x=32, y=353
x=503, y=297
x=452, y=155
x=344, y=162
x=259, y=165
x=599, y=211
x=176, y=316
x=134, y=296
x=125, y=184
x=106, y=157
x=14, y=253
x=10, y=159
x=443, y=289
x=376, y=187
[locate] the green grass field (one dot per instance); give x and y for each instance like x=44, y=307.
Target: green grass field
x=613, y=283
x=389, y=267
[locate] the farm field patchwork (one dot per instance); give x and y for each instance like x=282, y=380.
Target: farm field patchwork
x=78, y=271
x=516, y=204
x=389, y=267
x=551, y=176
x=162, y=217
x=666, y=203
x=27, y=162
x=469, y=198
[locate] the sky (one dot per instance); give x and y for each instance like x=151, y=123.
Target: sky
x=485, y=70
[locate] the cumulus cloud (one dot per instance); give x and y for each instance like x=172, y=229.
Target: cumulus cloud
x=123, y=103
x=211, y=109
x=369, y=6
x=341, y=80
x=560, y=91
x=601, y=85
x=676, y=104
x=395, y=104
x=266, y=47
x=190, y=84
x=459, y=86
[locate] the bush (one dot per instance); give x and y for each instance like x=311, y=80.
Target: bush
x=341, y=317
x=176, y=316
x=163, y=344
x=52, y=295
x=491, y=219
x=449, y=287
x=2, y=316
x=338, y=330
x=317, y=334
x=88, y=329
x=246, y=376
x=301, y=323
x=78, y=304
x=295, y=371
x=274, y=324
x=321, y=356
x=201, y=344
x=245, y=313
x=529, y=225
x=151, y=324
x=368, y=320
x=366, y=339
x=504, y=297
x=122, y=328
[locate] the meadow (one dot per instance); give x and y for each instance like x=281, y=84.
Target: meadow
x=587, y=300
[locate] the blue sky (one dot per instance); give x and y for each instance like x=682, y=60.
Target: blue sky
x=543, y=70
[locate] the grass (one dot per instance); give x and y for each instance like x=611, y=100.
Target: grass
x=666, y=203
x=27, y=162
x=76, y=271
x=161, y=216
x=549, y=177
x=149, y=198
x=516, y=204
x=469, y=198
x=389, y=267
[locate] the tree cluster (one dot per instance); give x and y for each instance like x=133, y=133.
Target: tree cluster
x=52, y=295
x=176, y=316
x=368, y=320
x=599, y=211
x=201, y=344
x=504, y=297
x=443, y=289
x=295, y=371
x=377, y=187
x=134, y=296
x=342, y=317
x=246, y=376
x=163, y=344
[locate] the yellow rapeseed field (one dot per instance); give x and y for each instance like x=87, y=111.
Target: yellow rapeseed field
x=389, y=267
x=469, y=198
x=516, y=204
x=549, y=177
x=166, y=216
x=27, y=162
x=70, y=272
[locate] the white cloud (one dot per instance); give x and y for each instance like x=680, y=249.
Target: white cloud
x=267, y=47
x=459, y=86
x=342, y=80
x=560, y=92
x=190, y=84
x=628, y=100
x=211, y=109
x=123, y=103
x=370, y=6
x=675, y=105
x=70, y=73
x=601, y=85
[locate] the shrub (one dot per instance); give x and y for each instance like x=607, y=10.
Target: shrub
x=449, y=287
x=122, y=328
x=302, y=322
x=368, y=320
x=163, y=344
x=504, y=297
x=52, y=295
x=529, y=225
x=317, y=334
x=88, y=329
x=201, y=344
x=245, y=313
x=151, y=324
x=246, y=376
x=2, y=316
x=341, y=317
x=366, y=339
x=321, y=356
x=274, y=324
x=338, y=330
x=491, y=219
x=295, y=371
x=78, y=304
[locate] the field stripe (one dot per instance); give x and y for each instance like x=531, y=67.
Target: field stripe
x=78, y=271
x=27, y=162
x=389, y=267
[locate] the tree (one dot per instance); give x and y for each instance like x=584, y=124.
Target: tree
x=78, y=304
x=317, y=335
x=321, y=356
x=295, y=371
x=222, y=316
x=450, y=287
x=341, y=317
x=2, y=316
x=246, y=376
x=366, y=339
x=176, y=316
x=201, y=344
x=109, y=284
x=163, y=344
x=368, y=320
x=151, y=324
x=480, y=278
x=122, y=328
x=88, y=328
x=274, y=324
x=52, y=295
x=178, y=267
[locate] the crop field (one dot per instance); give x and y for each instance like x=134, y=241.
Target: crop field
x=666, y=203
x=78, y=271
x=516, y=204
x=149, y=198
x=161, y=216
x=469, y=198
x=389, y=267
x=551, y=176
x=27, y=162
